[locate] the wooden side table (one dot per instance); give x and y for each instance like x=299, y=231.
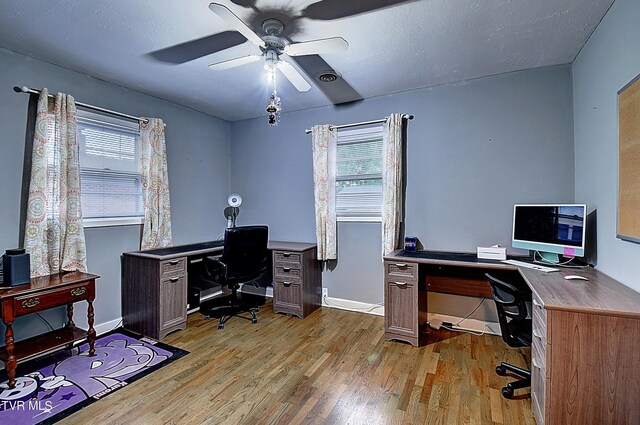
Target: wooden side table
x=43, y=293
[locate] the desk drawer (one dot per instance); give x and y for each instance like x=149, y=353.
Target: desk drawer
x=287, y=296
x=539, y=320
x=286, y=272
x=287, y=257
x=403, y=270
x=539, y=383
x=175, y=266
x=28, y=304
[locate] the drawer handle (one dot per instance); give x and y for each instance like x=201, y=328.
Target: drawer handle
x=78, y=291
x=536, y=303
x=401, y=265
x=174, y=262
x=537, y=335
x=287, y=283
x=31, y=302
x=534, y=362
x=400, y=283
x=286, y=269
x=174, y=279
x=286, y=254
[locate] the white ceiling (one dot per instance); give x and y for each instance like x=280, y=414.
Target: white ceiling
x=408, y=45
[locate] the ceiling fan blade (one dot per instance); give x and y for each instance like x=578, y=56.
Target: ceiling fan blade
x=236, y=23
x=315, y=47
x=245, y=3
x=338, y=91
x=294, y=76
x=326, y=10
x=232, y=63
x=194, y=49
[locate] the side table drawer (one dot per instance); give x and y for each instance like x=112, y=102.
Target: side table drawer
x=28, y=304
x=177, y=265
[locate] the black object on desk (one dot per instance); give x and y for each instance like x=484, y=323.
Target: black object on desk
x=16, y=267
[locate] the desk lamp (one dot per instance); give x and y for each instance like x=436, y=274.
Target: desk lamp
x=232, y=211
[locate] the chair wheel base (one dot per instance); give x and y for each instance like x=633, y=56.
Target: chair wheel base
x=507, y=392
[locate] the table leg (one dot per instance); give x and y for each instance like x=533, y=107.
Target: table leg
x=70, y=323
x=92, y=332
x=11, y=363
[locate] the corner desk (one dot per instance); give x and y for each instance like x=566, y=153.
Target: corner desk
x=585, y=354
x=154, y=284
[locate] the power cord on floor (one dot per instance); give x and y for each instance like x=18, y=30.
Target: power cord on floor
x=484, y=330
x=118, y=325
x=470, y=314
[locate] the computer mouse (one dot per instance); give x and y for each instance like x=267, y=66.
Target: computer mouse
x=575, y=277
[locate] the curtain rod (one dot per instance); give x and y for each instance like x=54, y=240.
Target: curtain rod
x=357, y=124
x=25, y=89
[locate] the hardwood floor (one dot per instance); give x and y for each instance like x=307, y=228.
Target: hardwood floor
x=333, y=367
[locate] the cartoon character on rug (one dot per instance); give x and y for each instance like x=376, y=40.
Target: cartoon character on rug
x=112, y=364
x=79, y=377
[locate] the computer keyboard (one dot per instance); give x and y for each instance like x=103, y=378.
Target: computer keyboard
x=517, y=263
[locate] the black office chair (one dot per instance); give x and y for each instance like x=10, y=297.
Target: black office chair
x=244, y=259
x=515, y=329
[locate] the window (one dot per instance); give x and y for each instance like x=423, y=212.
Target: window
x=359, y=174
x=109, y=170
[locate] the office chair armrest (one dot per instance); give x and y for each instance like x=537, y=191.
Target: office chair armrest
x=215, y=268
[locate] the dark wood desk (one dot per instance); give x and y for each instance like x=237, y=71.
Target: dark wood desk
x=585, y=353
x=154, y=284
x=43, y=293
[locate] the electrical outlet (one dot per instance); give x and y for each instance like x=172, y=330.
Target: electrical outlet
x=325, y=292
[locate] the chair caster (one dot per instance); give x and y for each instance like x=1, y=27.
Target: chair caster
x=206, y=317
x=501, y=371
x=507, y=392
x=254, y=320
x=220, y=325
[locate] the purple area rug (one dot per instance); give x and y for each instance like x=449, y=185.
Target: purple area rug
x=55, y=386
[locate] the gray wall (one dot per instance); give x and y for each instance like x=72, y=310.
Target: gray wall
x=198, y=156
x=608, y=61
x=474, y=149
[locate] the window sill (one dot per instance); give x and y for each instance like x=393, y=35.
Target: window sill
x=360, y=219
x=112, y=221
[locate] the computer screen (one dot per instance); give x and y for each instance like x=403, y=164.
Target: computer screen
x=558, y=229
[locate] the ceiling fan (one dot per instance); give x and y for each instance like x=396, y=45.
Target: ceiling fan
x=273, y=47
x=279, y=24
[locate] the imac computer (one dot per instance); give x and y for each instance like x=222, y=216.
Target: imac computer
x=550, y=230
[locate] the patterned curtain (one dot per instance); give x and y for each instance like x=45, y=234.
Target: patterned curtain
x=156, y=232
x=324, y=189
x=392, y=157
x=54, y=235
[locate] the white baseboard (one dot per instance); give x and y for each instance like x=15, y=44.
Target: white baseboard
x=103, y=328
x=357, y=306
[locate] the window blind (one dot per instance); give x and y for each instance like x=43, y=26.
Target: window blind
x=359, y=173
x=109, y=168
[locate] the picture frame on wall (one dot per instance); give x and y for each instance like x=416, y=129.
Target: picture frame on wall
x=628, y=223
